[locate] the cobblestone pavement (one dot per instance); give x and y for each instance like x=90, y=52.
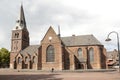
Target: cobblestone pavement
x=14, y=75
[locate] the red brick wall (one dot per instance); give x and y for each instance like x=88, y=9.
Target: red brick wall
x=97, y=59
x=55, y=41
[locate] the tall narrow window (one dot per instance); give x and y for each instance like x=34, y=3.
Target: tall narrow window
x=50, y=55
x=26, y=59
x=16, y=35
x=80, y=54
x=91, y=55
x=34, y=59
x=19, y=60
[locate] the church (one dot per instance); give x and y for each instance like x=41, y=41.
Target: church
x=54, y=52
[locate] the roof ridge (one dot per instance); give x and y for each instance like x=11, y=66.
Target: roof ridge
x=81, y=40
x=79, y=35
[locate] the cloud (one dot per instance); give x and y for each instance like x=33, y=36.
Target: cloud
x=74, y=17
x=56, y=14
x=42, y=15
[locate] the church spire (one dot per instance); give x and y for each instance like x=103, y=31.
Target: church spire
x=22, y=17
x=21, y=23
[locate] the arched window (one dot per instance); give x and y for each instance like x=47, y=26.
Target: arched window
x=26, y=59
x=16, y=35
x=80, y=54
x=19, y=60
x=91, y=55
x=50, y=55
x=34, y=59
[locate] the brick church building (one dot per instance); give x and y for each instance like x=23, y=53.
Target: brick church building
x=54, y=51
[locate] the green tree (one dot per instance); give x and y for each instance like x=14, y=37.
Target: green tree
x=4, y=57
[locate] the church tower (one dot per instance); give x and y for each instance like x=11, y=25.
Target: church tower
x=20, y=36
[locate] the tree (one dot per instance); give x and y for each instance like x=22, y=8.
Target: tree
x=4, y=57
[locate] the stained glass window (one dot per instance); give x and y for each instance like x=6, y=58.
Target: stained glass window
x=34, y=59
x=19, y=60
x=80, y=54
x=91, y=55
x=26, y=59
x=50, y=55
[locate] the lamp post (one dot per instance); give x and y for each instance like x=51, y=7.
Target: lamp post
x=108, y=39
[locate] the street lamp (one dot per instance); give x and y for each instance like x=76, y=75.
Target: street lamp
x=108, y=39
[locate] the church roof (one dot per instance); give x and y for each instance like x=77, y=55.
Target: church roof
x=80, y=40
x=30, y=49
x=83, y=40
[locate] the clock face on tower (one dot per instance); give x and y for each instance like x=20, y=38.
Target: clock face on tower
x=50, y=38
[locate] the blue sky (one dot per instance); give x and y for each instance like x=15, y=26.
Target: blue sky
x=79, y=17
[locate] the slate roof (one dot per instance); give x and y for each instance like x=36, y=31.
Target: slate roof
x=68, y=41
x=30, y=49
x=80, y=40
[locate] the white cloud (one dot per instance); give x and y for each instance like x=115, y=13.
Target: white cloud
x=97, y=17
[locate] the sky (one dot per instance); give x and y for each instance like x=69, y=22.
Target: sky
x=78, y=17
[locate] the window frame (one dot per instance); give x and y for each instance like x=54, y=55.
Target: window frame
x=19, y=60
x=50, y=54
x=91, y=55
x=80, y=52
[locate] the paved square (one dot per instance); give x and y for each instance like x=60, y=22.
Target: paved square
x=14, y=75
